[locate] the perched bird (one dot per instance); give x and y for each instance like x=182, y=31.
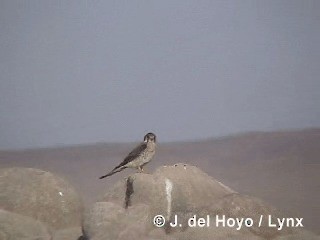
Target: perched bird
x=138, y=157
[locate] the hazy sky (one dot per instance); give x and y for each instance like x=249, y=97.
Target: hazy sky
x=90, y=71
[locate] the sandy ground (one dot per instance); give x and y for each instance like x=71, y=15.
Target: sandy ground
x=282, y=168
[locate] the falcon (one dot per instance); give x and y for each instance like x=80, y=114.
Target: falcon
x=138, y=157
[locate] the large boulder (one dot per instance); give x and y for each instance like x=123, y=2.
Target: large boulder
x=74, y=233
x=179, y=188
x=40, y=195
x=127, y=210
x=106, y=220
x=16, y=226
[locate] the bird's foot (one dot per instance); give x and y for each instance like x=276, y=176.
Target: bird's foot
x=141, y=170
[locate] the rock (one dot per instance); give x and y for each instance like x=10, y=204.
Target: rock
x=127, y=210
x=102, y=221
x=16, y=226
x=299, y=235
x=214, y=233
x=170, y=189
x=238, y=205
x=40, y=195
x=106, y=220
x=68, y=234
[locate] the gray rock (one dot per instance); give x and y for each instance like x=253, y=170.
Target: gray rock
x=238, y=205
x=173, y=189
x=15, y=226
x=300, y=235
x=68, y=234
x=106, y=220
x=127, y=210
x=214, y=233
x=40, y=195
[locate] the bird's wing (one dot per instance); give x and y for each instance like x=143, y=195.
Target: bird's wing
x=133, y=154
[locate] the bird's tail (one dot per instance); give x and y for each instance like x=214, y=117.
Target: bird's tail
x=112, y=172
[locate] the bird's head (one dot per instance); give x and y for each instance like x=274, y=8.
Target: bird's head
x=149, y=137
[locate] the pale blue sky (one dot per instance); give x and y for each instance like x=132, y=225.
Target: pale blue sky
x=102, y=71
